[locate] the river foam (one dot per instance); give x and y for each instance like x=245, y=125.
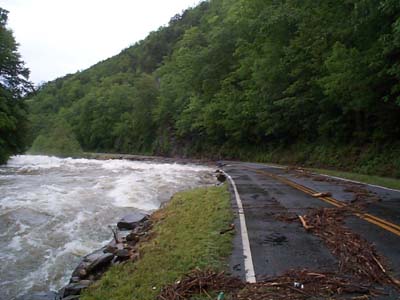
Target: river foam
x=54, y=210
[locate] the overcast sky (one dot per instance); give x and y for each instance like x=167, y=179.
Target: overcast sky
x=58, y=37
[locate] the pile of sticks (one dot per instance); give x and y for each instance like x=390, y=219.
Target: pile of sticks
x=362, y=196
x=304, y=284
x=356, y=256
x=200, y=282
x=295, y=284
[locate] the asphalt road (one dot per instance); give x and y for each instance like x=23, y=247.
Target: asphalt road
x=277, y=246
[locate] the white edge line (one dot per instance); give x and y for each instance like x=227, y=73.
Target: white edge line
x=248, y=259
x=330, y=176
x=355, y=181
x=335, y=177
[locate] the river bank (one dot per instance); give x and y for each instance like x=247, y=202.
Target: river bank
x=57, y=210
x=147, y=158
x=157, y=250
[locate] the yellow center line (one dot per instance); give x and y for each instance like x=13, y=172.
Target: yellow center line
x=391, y=227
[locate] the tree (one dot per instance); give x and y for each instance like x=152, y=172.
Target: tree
x=14, y=84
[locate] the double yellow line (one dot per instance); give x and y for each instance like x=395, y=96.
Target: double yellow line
x=391, y=227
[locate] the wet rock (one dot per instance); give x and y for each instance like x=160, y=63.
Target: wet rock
x=122, y=234
x=40, y=296
x=74, y=279
x=94, y=255
x=82, y=273
x=73, y=289
x=122, y=254
x=111, y=247
x=85, y=282
x=220, y=176
x=115, y=261
x=93, y=262
x=100, y=262
x=131, y=221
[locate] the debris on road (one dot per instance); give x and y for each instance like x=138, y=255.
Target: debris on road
x=361, y=195
x=303, y=222
x=294, y=284
x=200, y=282
x=355, y=254
x=322, y=194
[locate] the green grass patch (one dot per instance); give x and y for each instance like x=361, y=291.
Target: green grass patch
x=377, y=180
x=185, y=236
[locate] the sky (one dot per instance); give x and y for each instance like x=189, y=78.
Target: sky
x=58, y=37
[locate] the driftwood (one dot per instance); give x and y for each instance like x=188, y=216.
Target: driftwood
x=303, y=222
x=356, y=255
x=313, y=285
x=322, y=194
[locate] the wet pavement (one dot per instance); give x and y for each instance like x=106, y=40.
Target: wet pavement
x=277, y=246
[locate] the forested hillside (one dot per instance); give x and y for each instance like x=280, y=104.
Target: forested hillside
x=308, y=82
x=14, y=84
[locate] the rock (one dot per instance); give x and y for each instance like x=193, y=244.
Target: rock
x=122, y=234
x=146, y=224
x=115, y=261
x=74, y=279
x=111, y=247
x=73, y=289
x=122, y=254
x=131, y=221
x=82, y=273
x=221, y=177
x=132, y=237
x=40, y=296
x=94, y=255
x=101, y=262
x=92, y=262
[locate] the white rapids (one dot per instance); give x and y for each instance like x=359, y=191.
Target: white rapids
x=53, y=211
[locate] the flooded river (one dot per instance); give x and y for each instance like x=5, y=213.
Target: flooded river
x=53, y=211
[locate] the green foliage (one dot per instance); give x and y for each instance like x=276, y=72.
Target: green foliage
x=13, y=85
x=186, y=236
x=231, y=77
x=60, y=141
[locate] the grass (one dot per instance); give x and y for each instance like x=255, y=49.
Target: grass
x=185, y=236
x=371, y=179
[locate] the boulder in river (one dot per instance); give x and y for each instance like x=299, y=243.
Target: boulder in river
x=131, y=221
